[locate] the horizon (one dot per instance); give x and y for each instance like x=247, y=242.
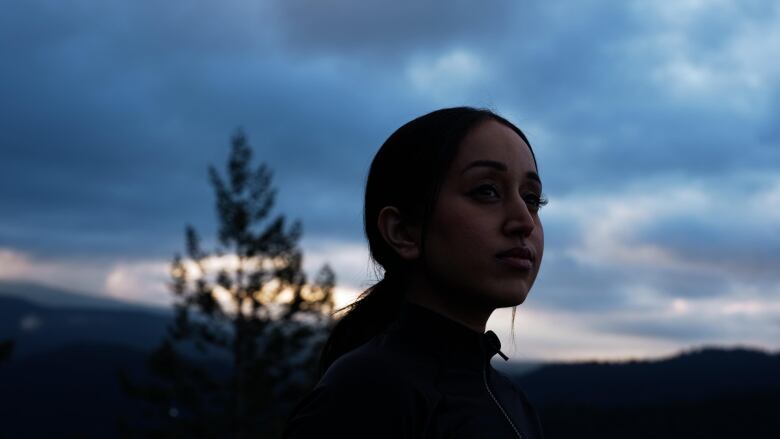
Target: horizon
x=64, y=300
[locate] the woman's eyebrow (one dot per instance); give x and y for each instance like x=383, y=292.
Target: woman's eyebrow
x=486, y=163
x=498, y=166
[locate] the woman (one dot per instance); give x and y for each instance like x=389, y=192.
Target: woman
x=451, y=215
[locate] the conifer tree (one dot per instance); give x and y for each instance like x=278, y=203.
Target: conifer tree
x=248, y=325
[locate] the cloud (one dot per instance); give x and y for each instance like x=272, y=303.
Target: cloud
x=146, y=281
x=662, y=327
x=599, y=88
x=349, y=260
x=138, y=103
x=74, y=274
x=553, y=335
x=697, y=321
x=719, y=228
x=446, y=76
x=705, y=54
x=142, y=281
x=375, y=27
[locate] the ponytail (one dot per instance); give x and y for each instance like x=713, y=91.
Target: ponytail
x=375, y=309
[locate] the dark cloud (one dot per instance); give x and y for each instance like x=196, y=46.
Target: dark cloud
x=378, y=29
x=693, y=327
x=674, y=327
x=568, y=285
x=596, y=84
x=581, y=289
x=743, y=250
x=118, y=109
x=109, y=136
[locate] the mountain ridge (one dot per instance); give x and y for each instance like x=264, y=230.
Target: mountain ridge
x=46, y=295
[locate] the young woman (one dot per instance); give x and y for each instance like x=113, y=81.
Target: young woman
x=452, y=216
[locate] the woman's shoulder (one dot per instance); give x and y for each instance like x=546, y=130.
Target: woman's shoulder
x=528, y=412
x=506, y=382
x=367, y=389
x=377, y=364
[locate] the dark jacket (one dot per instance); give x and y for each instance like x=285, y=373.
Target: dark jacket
x=426, y=376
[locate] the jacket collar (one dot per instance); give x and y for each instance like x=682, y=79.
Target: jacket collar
x=451, y=341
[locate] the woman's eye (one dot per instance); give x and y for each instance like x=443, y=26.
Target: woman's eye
x=485, y=191
x=535, y=201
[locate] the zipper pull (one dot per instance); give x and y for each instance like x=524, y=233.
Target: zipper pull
x=494, y=344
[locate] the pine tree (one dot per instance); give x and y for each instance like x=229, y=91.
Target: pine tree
x=246, y=304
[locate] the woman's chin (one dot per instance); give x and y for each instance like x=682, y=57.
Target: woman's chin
x=515, y=294
x=510, y=298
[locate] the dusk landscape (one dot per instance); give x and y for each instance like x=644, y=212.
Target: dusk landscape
x=654, y=124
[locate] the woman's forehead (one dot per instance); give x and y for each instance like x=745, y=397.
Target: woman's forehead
x=492, y=141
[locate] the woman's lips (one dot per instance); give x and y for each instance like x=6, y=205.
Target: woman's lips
x=521, y=258
x=516, y=262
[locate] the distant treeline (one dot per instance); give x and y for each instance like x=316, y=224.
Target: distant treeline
x=709, y=393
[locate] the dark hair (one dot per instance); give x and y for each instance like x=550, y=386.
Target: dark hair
x=407, y=172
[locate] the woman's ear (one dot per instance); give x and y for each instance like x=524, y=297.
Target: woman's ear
x=403, y=237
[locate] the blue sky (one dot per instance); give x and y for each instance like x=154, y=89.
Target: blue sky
x=654, y=123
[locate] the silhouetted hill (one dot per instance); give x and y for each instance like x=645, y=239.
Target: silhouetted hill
x=516, y=368
x=37, y=329
x=72, y=391
x=58, y=297
x=691, y=376
x=713, y=393
x=75, y=391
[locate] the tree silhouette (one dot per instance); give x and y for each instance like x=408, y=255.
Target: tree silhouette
x=248, y=326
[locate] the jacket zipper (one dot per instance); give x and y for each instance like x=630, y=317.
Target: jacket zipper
x=484, y=377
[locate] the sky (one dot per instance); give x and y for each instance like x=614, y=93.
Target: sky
x=654, y=124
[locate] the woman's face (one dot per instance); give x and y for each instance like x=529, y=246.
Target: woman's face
x=484, y=239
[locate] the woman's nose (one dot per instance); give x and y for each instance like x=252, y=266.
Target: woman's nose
x=519, y=219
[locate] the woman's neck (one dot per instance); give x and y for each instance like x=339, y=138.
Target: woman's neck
x=449, y=305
